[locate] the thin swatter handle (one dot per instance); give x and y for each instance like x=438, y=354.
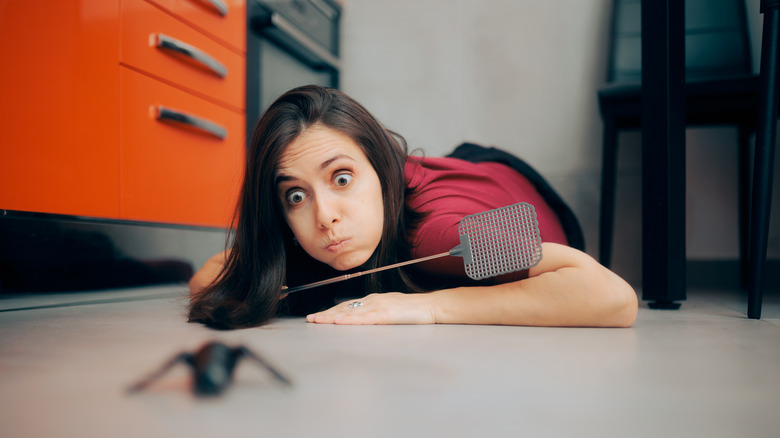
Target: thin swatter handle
x=290, y=290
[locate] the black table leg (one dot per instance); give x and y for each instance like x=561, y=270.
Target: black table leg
x=663, y=153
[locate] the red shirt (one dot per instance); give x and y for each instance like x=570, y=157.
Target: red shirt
x=450, y=189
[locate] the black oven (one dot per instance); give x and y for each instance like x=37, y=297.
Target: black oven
x=289, y=43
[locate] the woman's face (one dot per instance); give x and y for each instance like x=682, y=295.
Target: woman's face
x=331, y=197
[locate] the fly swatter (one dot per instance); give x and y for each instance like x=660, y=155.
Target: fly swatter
x=492, y=243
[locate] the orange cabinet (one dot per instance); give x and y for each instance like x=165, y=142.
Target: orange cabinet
x=59, y=151
x=83, y=86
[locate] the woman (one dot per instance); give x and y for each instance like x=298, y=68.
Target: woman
x=328, y=190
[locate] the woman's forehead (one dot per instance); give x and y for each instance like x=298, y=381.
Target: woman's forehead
x=318, y=146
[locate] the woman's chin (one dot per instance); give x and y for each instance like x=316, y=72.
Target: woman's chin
x=345, y=262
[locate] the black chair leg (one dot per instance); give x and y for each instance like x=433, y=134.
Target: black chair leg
x=608, y=177
x=743, y=164
x=764, y=155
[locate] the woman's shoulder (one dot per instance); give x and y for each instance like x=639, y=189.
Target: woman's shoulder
x=452, y=185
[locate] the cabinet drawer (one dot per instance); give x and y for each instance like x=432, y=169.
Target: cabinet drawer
x=157, y=43
x=229, y=28
x=170, y=173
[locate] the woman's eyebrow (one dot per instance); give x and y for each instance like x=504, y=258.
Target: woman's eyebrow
x=330, y=161
x=281, y=177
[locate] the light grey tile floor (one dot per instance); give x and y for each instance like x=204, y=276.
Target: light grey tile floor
x=704, y=370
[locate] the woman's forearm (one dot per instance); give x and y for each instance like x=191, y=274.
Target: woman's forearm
x=567, y=288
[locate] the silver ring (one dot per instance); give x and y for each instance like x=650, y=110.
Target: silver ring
x=355, y=304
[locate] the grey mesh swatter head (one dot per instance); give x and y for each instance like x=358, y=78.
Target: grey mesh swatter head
x=499, y=241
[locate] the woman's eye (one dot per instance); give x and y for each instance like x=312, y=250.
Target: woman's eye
x=295, y=197
x=342, y=179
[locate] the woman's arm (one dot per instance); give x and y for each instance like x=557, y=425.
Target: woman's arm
x=566, y=288
x=208, y=273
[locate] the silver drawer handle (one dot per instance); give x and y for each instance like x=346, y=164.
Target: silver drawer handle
x=165, y=114
x=162, y=41
x=219, y=5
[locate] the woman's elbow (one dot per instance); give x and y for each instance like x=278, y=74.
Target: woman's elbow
x=624, y=303
x=207, y=274
x=202, y=279
x=196, y=285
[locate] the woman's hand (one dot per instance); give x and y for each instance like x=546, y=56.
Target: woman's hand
x=385, y=308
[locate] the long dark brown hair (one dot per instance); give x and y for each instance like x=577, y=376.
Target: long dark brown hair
x=261, y=249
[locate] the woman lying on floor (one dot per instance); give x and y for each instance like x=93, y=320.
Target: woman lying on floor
x=328, y=190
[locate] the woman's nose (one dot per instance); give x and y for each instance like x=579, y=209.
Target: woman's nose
x=327, y=212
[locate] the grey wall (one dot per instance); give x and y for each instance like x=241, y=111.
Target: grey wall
x=522, y=75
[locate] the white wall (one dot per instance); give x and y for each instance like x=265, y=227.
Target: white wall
x=523, y=75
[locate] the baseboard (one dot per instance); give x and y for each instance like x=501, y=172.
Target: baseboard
x=51, y=253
